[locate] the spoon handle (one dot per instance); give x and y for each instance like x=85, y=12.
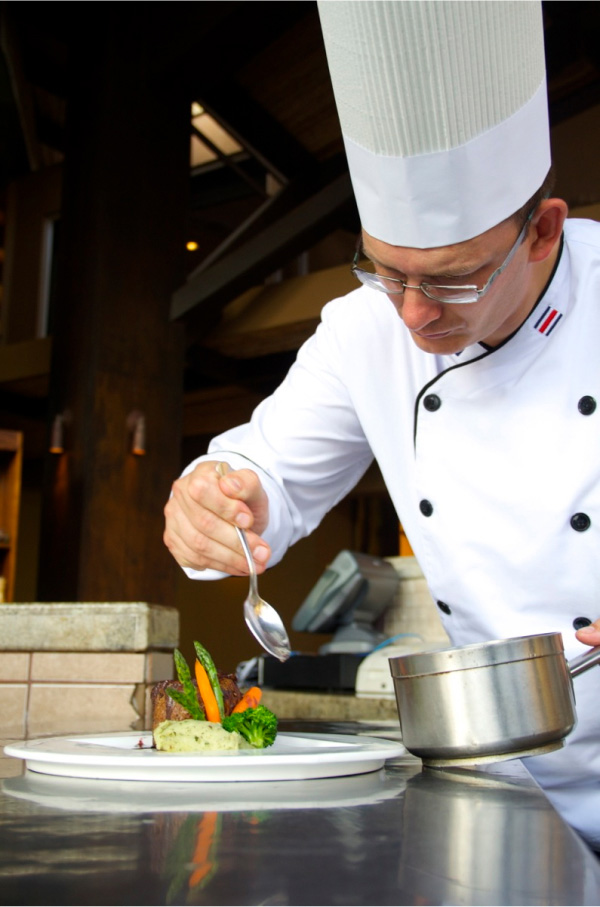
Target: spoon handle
x=246, y=547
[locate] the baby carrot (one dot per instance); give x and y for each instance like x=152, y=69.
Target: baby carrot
x=206, y=694
x=249, y=700
x=209, y=666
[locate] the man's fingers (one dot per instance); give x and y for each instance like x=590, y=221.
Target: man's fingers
x=244, y=486
x=201, y=515
x=211, y=543
x=590, y=636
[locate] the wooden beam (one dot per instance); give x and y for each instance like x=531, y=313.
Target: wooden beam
x=10, y=46
x=257, y=131
x=277, y=317
x=310, y=221
x=213, y=410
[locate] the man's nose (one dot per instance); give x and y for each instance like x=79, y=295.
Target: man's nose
x=416, y=309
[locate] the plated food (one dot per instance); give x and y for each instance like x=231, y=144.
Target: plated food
x=210, y=713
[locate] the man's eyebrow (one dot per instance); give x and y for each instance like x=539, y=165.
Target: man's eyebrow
x=427, y=278
x=453, y=275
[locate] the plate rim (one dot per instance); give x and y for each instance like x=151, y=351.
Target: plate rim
x=351, y=754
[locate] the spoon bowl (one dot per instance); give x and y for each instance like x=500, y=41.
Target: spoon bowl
x=262, y=619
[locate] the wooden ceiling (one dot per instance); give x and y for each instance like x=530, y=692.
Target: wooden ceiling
x=261, y=68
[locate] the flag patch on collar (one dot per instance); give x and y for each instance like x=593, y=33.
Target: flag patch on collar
x=548, y=321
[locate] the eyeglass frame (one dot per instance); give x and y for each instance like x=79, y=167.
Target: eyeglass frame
x=423, y=286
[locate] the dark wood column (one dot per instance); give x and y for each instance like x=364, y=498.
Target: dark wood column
x=115, y=352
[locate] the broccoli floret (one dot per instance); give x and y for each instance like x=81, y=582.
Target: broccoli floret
x=258, y=726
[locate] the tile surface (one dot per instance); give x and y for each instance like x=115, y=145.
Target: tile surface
x=92, y=667
x=14, y=705
x=80, y=708
x=14, y=666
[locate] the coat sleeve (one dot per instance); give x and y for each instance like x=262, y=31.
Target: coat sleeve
x=305, y=441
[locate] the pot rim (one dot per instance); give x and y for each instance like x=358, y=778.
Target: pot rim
x=476, y=655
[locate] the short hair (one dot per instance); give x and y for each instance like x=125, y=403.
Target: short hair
x=545, y=191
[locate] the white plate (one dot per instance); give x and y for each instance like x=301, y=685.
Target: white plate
x=129, y=757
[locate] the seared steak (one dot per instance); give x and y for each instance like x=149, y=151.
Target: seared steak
x=166, y=709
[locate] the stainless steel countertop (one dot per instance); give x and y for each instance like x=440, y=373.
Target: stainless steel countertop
x=402, y=835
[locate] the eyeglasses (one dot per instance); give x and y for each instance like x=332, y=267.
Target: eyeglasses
x=394, y=286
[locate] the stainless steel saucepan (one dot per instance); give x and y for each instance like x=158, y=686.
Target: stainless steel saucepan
x=489, y=701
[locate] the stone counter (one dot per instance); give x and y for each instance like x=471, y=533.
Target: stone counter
x=88, y=627
x=81, y=667
x=295, y=704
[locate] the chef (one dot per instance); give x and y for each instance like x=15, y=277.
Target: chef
x=466, y=360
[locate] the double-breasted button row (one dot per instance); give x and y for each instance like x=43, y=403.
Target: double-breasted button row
x=578, y=624
x=431, y=403
x=586, y=405
x=581, y=521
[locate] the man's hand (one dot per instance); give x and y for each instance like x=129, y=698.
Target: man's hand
x=590, y=636
x=200, y=513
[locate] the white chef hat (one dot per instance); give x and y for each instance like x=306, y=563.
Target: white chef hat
x=443, y=110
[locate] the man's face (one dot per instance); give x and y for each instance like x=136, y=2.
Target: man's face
x=445, y=327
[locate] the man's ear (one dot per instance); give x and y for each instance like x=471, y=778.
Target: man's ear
x=546, y=227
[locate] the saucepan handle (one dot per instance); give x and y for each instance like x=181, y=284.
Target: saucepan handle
x=583, y=662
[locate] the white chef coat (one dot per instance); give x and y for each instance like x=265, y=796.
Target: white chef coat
x=491, y=457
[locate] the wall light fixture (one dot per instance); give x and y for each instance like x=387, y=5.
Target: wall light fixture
x=136, y=425
x=57, y=432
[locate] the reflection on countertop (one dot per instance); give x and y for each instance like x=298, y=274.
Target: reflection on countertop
x=401, y=835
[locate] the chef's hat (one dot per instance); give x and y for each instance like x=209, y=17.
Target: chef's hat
x=443, y=110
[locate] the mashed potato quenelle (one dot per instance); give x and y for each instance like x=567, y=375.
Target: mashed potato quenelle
x=191, y=736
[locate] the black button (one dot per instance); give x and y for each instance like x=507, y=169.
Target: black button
x=444, y=607
x=426, y=507
x=580, y=622
x=432, y=402
x=580, y=522
x=586, y=406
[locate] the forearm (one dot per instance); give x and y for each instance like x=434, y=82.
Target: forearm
x=304, y=448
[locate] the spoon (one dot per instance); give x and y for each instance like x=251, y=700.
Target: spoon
x=262, y=619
